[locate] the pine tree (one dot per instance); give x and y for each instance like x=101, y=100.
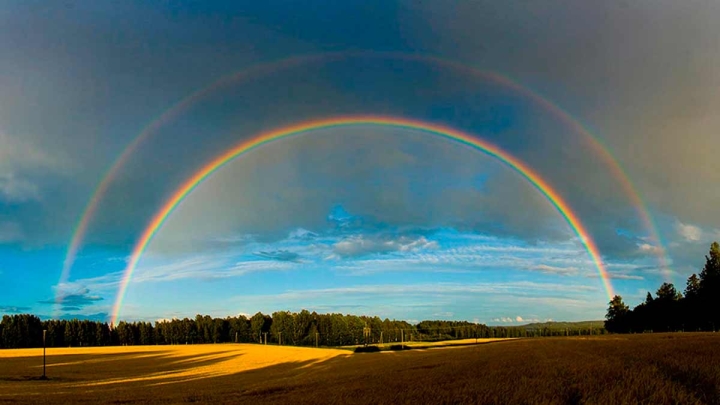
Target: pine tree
x=616, y=318
x=667, y=292
x=710, y=275
x=692, y=287
x=709, y=292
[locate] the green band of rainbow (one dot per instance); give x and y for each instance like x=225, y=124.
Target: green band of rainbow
x=190, y=184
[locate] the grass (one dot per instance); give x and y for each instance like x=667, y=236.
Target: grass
x=660, y=368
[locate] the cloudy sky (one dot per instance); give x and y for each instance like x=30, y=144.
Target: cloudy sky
x=364, y=219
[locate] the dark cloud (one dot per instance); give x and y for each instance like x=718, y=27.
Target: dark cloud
x=280, y=255
x=646, y=86
x=75, y=300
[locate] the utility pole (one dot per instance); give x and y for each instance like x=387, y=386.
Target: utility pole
x=316, y=338
x=381, y=338
x=44, y=377
x=236, y=336
x=265, y=333
x=366, y=333
x=402, y=336
x=279, y=338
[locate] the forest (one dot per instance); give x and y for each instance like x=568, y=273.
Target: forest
x=302, y=328
x=670, y=310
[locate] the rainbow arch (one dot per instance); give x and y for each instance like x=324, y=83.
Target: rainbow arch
x=208, y=169
x=261, y=69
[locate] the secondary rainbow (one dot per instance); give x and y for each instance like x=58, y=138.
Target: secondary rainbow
x=190, y=184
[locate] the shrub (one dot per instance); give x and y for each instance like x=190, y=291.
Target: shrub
x=367, y=349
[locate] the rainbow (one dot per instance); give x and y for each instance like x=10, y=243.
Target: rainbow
x=81, y=229
x=297, y=129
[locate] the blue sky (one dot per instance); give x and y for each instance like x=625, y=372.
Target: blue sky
x=364, y=219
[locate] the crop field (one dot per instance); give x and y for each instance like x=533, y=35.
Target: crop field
x=654, y=368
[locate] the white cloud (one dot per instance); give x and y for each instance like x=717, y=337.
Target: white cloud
x=518, y=318
x=690, y=233
x=362, y=244
x=650, y=249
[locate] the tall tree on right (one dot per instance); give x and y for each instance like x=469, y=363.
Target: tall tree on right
x=709, y=293
x=710, y=274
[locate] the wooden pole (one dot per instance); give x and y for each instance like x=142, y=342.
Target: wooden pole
x=44, y=377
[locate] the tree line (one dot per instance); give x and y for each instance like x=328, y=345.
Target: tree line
x=302, y=328
x=669, y=310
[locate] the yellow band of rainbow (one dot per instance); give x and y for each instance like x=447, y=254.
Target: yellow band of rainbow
x=190, y=184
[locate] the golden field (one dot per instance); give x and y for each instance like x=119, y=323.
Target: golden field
x=660, y=368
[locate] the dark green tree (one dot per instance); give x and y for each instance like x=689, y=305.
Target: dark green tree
x=692, y=288
x=617, y=314
x=709, y=293
x=259, y=324
x=667, y=292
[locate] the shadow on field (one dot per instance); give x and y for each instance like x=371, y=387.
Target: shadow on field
x=99, y=369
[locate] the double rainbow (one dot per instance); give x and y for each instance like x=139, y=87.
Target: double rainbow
x=262, y=69
x=304, y=127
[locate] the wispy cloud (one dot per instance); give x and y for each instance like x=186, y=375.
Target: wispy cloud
x=521, y=288
x=202, y=267
x=6, y=309
x=564, y=271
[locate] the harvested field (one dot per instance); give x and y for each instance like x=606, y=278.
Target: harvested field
x=660, y=368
